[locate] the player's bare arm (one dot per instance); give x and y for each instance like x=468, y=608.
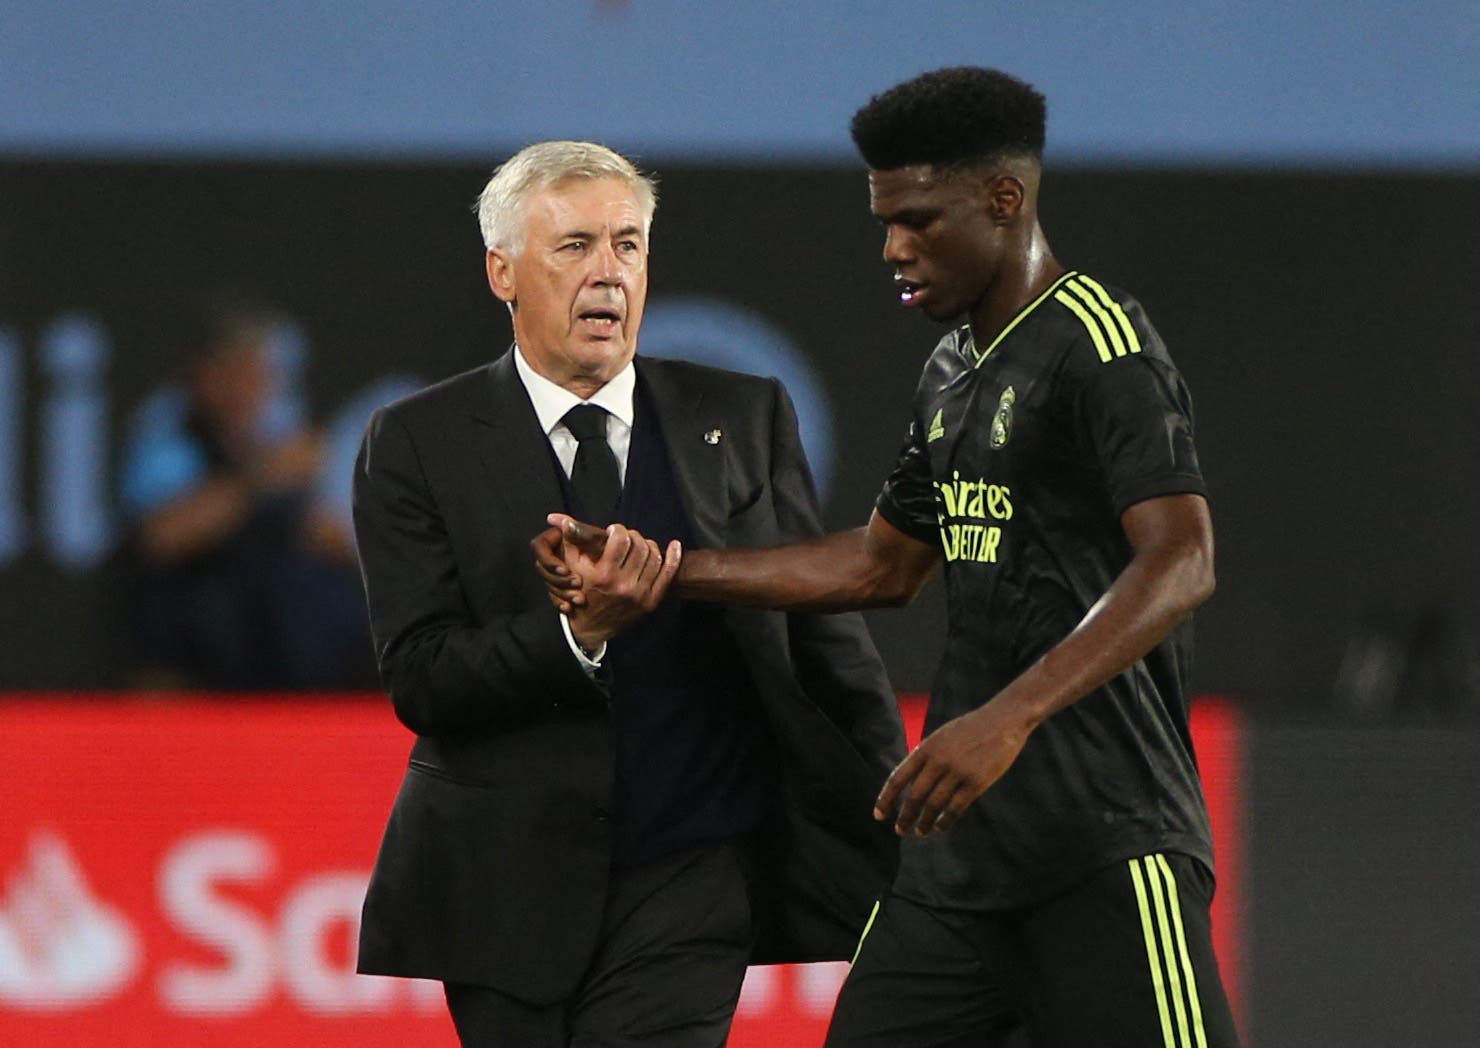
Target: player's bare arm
x=1169, y=576
x=873, y=566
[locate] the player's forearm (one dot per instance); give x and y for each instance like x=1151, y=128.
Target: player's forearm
x=1155, y=594
x=838, y=572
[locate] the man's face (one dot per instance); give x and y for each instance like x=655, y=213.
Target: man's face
x=940, y=237
x=232, y=386
x=578, y=285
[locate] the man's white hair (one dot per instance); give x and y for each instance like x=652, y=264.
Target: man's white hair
x=501, y=204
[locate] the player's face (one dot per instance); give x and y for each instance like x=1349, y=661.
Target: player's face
x=578, y=285
x=940, y=237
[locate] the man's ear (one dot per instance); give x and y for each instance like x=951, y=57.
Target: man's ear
x=500, y=265
x=1005, y=197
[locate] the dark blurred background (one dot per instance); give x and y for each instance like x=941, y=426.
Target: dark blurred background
x=1293, y=192
x=1323, y=319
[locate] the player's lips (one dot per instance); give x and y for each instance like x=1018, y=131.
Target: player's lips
x=910, y=292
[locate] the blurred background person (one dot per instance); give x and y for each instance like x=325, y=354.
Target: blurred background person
x=235, y=576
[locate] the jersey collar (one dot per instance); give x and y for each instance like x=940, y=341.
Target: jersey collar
x=1022, y=315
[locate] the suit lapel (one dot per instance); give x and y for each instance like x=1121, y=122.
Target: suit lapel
x=698, y=465
x=514, y=453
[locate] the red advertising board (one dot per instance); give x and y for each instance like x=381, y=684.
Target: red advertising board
x=189, y=871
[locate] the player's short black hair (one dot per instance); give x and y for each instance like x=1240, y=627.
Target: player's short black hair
x=953, y=117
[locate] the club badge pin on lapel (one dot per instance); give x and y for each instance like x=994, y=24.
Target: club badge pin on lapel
x=712, y=437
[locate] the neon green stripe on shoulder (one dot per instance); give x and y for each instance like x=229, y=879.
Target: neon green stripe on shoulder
x=1021, y=316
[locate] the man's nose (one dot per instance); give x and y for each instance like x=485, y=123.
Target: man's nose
x=898, y=246
x=606, y=268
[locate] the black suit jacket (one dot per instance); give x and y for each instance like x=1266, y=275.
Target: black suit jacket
x=495, y=862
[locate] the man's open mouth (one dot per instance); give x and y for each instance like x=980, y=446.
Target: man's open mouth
x=909, y=291
x=602, y=318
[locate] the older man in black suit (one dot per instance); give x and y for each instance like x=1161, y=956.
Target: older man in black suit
x=605, y=816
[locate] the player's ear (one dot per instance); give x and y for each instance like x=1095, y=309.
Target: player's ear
x=500, y=266
x=1005, y=197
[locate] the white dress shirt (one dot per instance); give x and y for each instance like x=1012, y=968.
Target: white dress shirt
x=551, y=402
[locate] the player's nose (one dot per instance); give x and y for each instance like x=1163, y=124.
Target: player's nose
x=898, y=247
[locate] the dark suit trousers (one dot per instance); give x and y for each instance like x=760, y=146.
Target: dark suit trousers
x=674, y=942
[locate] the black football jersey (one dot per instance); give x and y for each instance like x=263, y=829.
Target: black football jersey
x=1020, y=459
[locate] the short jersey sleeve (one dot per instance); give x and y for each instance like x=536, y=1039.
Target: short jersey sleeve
x=908, y=498
x=1134, y=415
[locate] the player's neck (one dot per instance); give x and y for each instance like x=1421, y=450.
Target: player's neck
x=1025, y=275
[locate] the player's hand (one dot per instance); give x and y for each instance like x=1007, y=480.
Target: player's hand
x=938, y=781
x=564, y=588
x=555, y=548
x=587, y=538
x=629, y=580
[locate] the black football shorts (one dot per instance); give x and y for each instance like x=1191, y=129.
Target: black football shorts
x=1123, y=960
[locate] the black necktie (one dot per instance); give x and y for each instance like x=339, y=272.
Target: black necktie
x=594, y=479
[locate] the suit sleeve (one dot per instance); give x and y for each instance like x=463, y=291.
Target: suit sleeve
x=444, y=670
x=835, y=658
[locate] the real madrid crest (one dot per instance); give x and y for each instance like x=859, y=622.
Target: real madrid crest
x=1002, y=420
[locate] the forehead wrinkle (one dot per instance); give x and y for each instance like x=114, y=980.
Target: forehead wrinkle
x=558, y=210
